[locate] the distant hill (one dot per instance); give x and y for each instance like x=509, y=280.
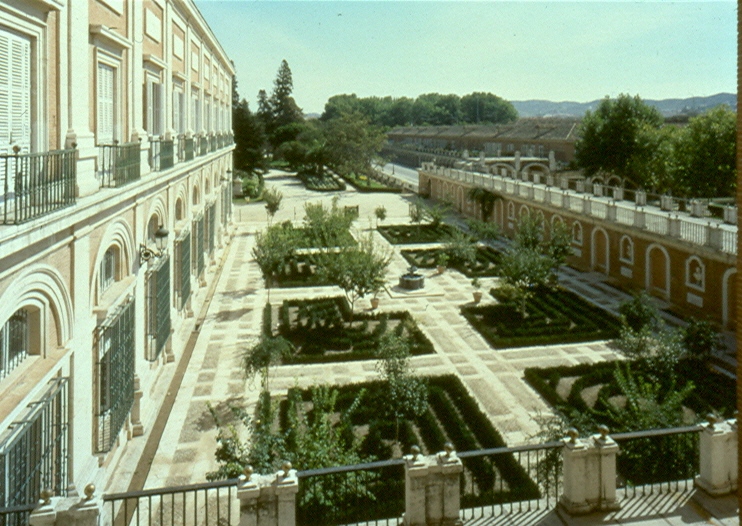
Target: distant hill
x=668, y=107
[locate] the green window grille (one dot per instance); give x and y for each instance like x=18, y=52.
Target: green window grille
x=159, y=306
x=115, y=374
x=212, y=226
x=13, y=342
x=198, y=245
x=33, y=452
x=183, y=269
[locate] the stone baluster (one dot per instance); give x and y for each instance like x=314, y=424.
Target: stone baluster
x=714, y=236
x=432, y=488
x=640, y=218
x=268, y=500
x=718, y=454
x=673, y=224
x=67, y=511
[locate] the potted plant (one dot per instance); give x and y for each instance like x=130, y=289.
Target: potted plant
x=441, y=262
x=477, y=293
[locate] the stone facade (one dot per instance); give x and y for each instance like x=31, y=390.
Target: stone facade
x=116, y=204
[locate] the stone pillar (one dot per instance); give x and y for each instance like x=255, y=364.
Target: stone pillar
x=666, y=202
x=73, y=511
x=610, y=211
x=714, y=237
x=587, y=205
x=552, y=161
x=416, y=471
x=450, y=469
x=286, y=487
x=248, y=493
x=640, y=218
x=574, y=499
x=137, y=429
x=45, y=514
x=640, y=198
x=549, y=180
x=718, y=466
x=673, y=225
x=606, y=450
x=563, y=183
x=617, y=193
x=597, y=190
x=565, y=200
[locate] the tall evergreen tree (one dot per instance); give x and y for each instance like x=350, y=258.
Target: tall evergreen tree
x=249, y=136
x=285, y=110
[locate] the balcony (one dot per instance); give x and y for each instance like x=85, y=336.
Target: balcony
x=185, y=149
x=118, y=164
x=203, y=145
x=36, y=184
x=161, y=154
x=670, y=475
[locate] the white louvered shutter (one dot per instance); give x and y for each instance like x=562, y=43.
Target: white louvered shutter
x=176, y=110
x=106, y=114
x=158, y=104
x=15, y=92
x=149, y=108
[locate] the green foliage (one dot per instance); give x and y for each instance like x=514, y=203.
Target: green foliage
x=609, y=137
x=639, y=312
x=417, y=211
x=283, y=107
x=380, y=213
x=352, y=144
x=268, y=352
x=529, y=232
x=326, y=227
x=459, y=248
x=252, y=184
x=705, y=155
x=249, y=136
x=560, y=244
x=272, y=197
x=701, y=339
x=484, y=231
x=408, y=234
x=358, y=270
x=274, y=249
x=523, y=269
x=487, y=108
x=486, y=200
x=435, y=213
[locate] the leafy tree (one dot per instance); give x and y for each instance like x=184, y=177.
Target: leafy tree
x=639, y=312
x=486, y=200
x=327, y=227
x=559, y=245
x=460, y=248
x=522, y=270
x=417, y=211
x=380, y=213
x=339, y=105
x=272, y=197
x=701, y=340
x=609, y=137
x=705, y=155
x=259, y=358
x=358, y=269
x=352, y=143
x=407, y=394
x=487, y=108
x=482, y=230
x=529, y=232
x=274, y=249
x=265, y=112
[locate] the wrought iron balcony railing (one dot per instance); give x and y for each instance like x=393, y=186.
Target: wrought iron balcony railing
x=118, y=164
x=36, y=184
x=161, y=154
x=203, y=145
x=212, y=143
x=185, y=149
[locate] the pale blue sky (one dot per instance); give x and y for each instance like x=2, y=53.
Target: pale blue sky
x=520, y=50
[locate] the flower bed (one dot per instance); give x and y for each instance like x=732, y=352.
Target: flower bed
x=368, y=185
x=553, y=316
x=320, y=331
x=409, y=234
x=485, y=263
x=325, y=183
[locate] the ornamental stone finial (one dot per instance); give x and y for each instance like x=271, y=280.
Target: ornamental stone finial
x=572, y=433
x=89, y=491
x=415, y=451
x=46, y=497
x=248, y=471
x=603, y=430
x=448, y=448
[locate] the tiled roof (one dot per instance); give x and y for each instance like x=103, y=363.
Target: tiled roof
x=560, y=129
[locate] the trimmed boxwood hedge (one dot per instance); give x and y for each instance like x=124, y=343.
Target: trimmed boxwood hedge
x=410, y=234
x=323, y=327
x=485, y=264
x=326, y=183
x=375, y=187
x=466, y=426
x=554, y=316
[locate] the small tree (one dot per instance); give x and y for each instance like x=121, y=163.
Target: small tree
x=559, y=245
x=484, y=231
x=259, y=358
x=529, y=233
x=358, y=270
x=701, y=340
x=639, y=312
x=485, y=199
x=407, y=394
x=380, y=213
x=327, y=227
x=522, y=270
x=273, y=249
x=460, y=248
x=417, y=211
x=272, y=197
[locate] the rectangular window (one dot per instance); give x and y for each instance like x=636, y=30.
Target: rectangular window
x=153, y=107
x=178, y=110
x=107, y=270
x=106, y=101
x=15, y=92
x=196, y=111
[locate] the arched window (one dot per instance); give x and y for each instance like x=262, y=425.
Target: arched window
x=108, y=269
x=511, y=210
x=196, y=196
x=179, y=209
x=14, y=341
x=695, y=273
x=577, y=233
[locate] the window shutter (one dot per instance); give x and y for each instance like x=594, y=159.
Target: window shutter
x=149, y=107
x=15, y=92
x=176, y=111
x=106, y=108
x=159, y=108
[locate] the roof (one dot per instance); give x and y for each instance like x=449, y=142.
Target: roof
x=560, y=129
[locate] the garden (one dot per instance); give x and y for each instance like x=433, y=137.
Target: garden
x=553, y=316
x=422, y=233
x=321, y=183
x=364, y=183
x=484, y=262
x=325, y=330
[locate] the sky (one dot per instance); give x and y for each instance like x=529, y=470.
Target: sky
x=519, y=50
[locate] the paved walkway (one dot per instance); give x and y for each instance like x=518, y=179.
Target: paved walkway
x=232, y=323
